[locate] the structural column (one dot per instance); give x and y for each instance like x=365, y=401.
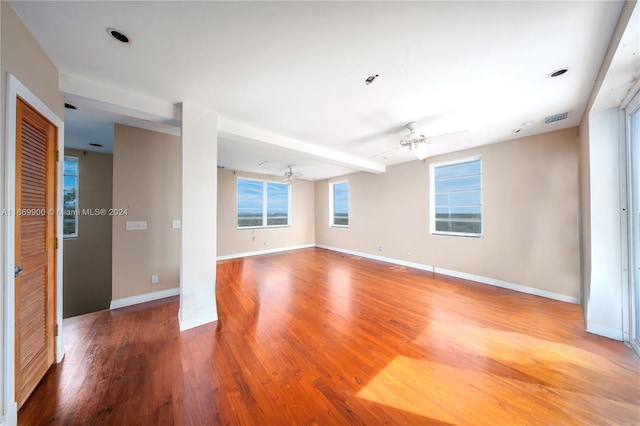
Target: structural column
x=605, y=306
x=199, y=204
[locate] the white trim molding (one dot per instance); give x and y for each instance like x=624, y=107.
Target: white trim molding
x=610, y=332
x=379, y=258
x=510, y=286
x=470, y=277
x=196, y=322
x=14, y=89
x=142, y=298
x=257, y=253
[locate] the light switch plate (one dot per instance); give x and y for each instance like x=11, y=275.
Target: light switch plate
x=176, y=224
x=136, y=226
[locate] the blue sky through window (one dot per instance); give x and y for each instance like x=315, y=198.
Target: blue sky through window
x=458, y=198
x=254, y=196
x=340, y=204
x=341, y=197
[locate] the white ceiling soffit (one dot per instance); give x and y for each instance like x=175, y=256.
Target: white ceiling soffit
x=264, y=160
x=247, y=134
x=298, y=69
x=623, y=74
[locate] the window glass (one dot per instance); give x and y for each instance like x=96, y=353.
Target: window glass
x=262, y=204
x=339, y=204
x=70, y=195
x=277, y=204
x=457, y=198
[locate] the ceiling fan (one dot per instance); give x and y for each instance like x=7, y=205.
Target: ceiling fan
x=415, y=141
x=290, y=175
x=418, y=143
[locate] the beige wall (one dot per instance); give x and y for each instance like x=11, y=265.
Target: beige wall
x=146, y=181
x=232, y=241
x=87, y=259
x=21, y=55
x=530, y=215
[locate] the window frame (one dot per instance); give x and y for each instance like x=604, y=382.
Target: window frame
x=432, y=196
x=265, y=203
x=332, y=206
x=77, y=188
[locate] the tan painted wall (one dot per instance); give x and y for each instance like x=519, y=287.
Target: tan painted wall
x=146, y=181
x=87, y=259
x=530, y=215
x=21, y=55
x=233, y=241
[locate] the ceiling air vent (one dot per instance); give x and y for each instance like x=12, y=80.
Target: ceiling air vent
x=557, y=117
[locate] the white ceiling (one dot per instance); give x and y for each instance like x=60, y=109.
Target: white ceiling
x=298, y=69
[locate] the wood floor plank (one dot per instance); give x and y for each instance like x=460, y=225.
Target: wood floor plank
x=319, y=337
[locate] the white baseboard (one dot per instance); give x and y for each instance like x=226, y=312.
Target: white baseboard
x=257, y=253
x=380, y=258
x=611, y=333
x=147, y=297
x=510, y=286
x=11, y=416
x=470, y=277
x=196, y=322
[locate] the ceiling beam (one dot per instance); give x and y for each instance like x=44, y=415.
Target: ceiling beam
x=120, y=101
x=243, y=133
x=156, y=112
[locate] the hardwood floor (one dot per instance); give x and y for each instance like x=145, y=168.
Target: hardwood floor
x=318, y=337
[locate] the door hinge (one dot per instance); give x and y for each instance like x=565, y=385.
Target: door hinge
x=55, y=330
x=55, y=243
x=57, y=156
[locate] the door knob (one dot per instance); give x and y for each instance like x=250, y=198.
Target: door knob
x=17, y=271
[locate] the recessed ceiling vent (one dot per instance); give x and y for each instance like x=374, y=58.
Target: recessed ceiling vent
x=557, y=117
x=69, y=106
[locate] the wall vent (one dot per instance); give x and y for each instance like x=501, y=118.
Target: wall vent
x=557, y=117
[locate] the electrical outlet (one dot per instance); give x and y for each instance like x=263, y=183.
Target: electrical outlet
x=379, y=248
x=154, y=279
x=266, y=243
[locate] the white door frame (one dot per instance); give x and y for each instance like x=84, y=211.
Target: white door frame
x=14, y=89
x=631, y=105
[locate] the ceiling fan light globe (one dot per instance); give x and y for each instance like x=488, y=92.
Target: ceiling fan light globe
x=421, y=152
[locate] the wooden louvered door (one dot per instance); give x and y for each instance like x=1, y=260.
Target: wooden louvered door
x=36, y=140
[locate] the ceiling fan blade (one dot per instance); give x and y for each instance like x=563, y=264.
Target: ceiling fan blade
x=290, y=175
x=448, y=137
x=380, y=154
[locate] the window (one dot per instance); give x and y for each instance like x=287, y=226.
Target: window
x=339, y=204
x=70, y=203
x=456, y=197
x=263, y=204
